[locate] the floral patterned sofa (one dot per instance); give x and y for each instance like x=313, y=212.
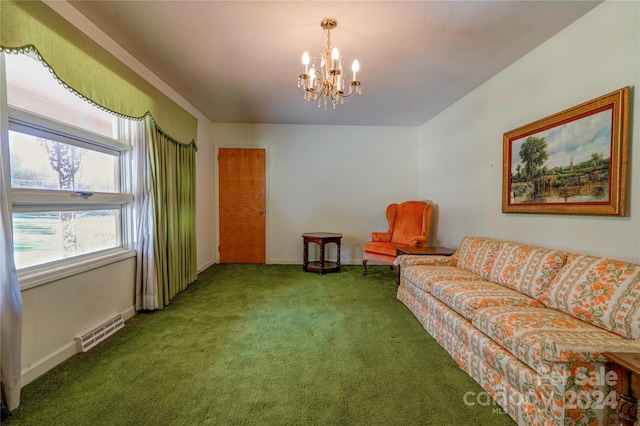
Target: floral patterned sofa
x=529, y=324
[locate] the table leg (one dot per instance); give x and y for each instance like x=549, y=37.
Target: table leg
x=305, y=256
x=397, y=270
x=627, y=410
x=338, y=260
x=321, y=257
x=627, y=405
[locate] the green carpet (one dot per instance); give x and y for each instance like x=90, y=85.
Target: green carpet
x=264, y=344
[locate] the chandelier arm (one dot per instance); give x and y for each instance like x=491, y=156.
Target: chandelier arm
x=315, y=94
x=352, y=90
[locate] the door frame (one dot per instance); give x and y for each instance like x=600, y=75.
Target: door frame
x=216, y=201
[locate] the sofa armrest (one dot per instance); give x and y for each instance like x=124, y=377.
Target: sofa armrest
x=557, y=352
x=384, y=237
x=409, y=260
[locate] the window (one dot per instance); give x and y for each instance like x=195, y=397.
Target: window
x=70, y=172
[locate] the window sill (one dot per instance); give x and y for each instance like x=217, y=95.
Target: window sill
x=44, y=274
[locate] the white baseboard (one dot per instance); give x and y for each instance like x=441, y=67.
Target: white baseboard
x=48, y=362
x=284, y=262
x=128, y=313
x=57, y=357
x=290, y=262
x=299, y=262
x=205, y=266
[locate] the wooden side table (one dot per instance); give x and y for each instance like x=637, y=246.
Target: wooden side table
x=626, y=367
x=420, y=251
x=320, y=238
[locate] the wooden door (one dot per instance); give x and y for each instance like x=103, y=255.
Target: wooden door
x=242, y=205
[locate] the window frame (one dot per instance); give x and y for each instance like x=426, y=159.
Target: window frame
x=32, y=200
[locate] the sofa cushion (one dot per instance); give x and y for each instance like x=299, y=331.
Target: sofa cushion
x=538, y=336
x=603, y=292
x=465, y=297
x=423, y=276
x=473, y=343
x=478, y=255
x=528, y=269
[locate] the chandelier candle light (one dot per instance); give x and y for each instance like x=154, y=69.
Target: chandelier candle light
x=327, y=82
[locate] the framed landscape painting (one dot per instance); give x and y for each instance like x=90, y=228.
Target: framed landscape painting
x=573, y=162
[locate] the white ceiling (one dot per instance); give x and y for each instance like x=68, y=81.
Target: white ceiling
x=238, y=61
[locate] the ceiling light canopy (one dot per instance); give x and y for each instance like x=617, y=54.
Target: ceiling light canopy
x=326, y=82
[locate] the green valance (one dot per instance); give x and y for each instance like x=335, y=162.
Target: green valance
x=89, y=69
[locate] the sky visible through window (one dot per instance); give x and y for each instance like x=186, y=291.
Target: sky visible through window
x=32, y=87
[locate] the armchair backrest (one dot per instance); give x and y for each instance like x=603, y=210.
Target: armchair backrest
x=409, y=220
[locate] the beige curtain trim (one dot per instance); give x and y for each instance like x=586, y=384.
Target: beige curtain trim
x=33, y=51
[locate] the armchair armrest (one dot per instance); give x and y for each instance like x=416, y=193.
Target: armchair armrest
x=381, y=237
x=418, y=241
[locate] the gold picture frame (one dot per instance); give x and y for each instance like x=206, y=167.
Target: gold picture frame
x=573, y=162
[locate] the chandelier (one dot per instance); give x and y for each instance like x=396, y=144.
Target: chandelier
x=327, y=81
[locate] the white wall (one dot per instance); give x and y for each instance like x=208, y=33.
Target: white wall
x=205, y=214
x=54, y=313
x=461, y=148
x=328, y=179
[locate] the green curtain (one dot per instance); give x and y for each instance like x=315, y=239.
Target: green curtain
x=87, y=68
x=173, y=185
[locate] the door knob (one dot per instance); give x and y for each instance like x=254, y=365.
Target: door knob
x=260, y=211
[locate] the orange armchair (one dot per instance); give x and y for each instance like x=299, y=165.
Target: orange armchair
x=409, y=225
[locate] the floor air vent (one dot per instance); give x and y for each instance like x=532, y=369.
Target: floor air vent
x=98, y=334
